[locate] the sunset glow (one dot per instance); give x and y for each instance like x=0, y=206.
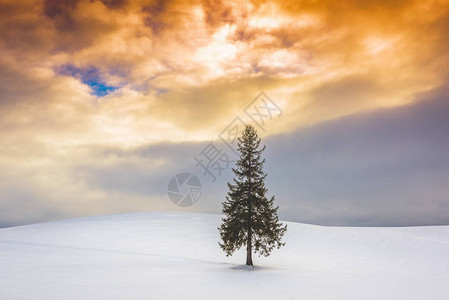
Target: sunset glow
x=86, y=85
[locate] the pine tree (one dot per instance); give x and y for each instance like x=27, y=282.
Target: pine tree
x=250, y=217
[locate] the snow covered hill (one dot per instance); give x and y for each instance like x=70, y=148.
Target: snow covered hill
x=176, y=256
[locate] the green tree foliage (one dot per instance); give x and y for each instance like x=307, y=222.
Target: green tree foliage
x=250, y=217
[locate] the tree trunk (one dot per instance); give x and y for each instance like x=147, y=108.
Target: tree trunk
x=249, y=259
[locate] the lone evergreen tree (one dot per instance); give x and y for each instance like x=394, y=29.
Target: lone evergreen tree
x=250, y=217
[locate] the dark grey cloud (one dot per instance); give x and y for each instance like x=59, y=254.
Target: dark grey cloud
x=23, y=203
x=144, y=170
x=380, y=168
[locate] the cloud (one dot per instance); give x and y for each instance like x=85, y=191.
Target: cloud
x=385, y=167
x=78, y=76
x=379, y=168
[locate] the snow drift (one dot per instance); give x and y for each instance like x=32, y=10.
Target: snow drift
x=176, y=256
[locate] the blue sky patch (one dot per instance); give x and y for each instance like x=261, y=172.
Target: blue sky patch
x=90, y=76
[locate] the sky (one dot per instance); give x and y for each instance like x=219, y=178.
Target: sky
x=103, y=102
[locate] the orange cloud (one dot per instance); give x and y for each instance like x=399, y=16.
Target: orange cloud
x=181, y=71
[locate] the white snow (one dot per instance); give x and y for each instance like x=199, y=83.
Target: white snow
x=176, y=256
